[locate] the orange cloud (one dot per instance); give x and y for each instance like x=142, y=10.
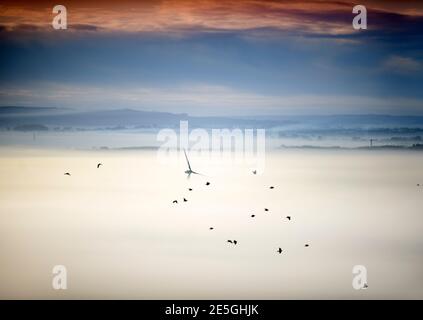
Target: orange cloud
x=184, y=16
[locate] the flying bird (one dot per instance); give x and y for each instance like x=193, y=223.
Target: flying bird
x=175, y=201
x=255, y=172
x=207, y=183
x=67, y=174
x=265, y=209
x=211, y=228
x=253, y=215
x=189, y=189
x=98, y=165
x=235, y=242
x=306, y=245
x=288, y=217
x=230, y=241
x=272, y=187
x=365, y=286
x=280, y=251
x=185, y=200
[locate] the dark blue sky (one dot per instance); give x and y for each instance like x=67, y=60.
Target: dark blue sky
x=237, y=71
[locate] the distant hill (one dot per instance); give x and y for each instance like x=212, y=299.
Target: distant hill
x=121, y=119
x=14, y=110
x=12, y=116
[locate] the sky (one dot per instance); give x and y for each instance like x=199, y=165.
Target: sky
x=207, y=57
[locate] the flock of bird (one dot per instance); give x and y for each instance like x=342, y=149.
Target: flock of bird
x=190, y=171
x=234, y=242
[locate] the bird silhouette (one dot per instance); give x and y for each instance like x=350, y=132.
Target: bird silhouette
x=175, y=201
x=280, y=251
x=185, y=200
x=67, y=174
x=272, y=187
x=230, y=241
x=306, y=245
x=207, y=183
x=253, y=215
x=265, y=209
x=365, y=286
x=255, y=172
x=98, y=165
x=211, y=228
x=235, y=242
x=189, y=189
x=288, y=217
